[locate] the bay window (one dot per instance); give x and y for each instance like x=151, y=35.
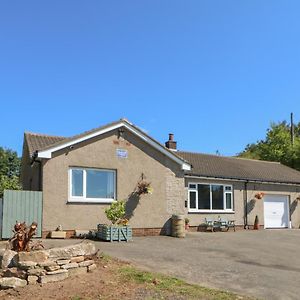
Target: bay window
x=210, y=197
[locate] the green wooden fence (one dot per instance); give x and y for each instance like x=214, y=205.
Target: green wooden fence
x=21, y=206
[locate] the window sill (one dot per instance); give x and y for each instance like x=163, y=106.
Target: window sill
x=211, y=211
x=90, y=200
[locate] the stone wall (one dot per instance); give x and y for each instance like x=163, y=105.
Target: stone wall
x=43, y=266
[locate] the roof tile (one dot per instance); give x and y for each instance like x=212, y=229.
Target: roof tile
x=36, y=141
x=207, y=165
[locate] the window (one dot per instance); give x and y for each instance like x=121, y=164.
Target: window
x=92, y=185
x=210, y=197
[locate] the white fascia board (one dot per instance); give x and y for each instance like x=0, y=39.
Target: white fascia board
x=48, y=153
x=186, y=167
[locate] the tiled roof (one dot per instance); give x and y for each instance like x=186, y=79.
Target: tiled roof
x=74, y=137
x=207, y=165
x=46, y=141
x=36, y=141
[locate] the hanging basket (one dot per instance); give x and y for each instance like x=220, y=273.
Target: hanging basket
x=144, y=187
x=259, y=195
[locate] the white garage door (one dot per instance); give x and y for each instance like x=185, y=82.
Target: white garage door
x=276, y=211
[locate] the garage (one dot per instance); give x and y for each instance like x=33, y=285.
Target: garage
x=276, y=214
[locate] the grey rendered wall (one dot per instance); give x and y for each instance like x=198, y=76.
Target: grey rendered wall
x=254, y=207
x=152, y=211
x=30, y=173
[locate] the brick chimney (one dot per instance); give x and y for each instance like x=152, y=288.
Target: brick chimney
x=171, y=144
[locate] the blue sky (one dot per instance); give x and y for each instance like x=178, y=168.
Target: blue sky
x=215, y=73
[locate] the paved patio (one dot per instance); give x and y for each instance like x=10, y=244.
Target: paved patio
x=264, y=264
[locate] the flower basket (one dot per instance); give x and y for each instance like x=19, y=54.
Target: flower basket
x=144, y=187
x=259, y=195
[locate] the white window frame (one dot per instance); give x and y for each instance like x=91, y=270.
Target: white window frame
x=210, y=210
x=83, y=198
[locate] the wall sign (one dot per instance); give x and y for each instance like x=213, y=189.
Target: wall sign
x=122, y=153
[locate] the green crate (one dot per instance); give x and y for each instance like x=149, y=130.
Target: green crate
x=114, y=233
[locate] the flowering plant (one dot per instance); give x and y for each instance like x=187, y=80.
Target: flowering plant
x=259, y=195
x=144, y=187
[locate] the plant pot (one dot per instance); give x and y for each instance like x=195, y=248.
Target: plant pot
x=114, y=233
x=187, y=227
x=58, y=234
x=256, y=223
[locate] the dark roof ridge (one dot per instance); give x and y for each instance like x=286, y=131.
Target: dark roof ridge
x=231, y=157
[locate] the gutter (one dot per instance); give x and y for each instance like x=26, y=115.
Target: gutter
x=242, y=180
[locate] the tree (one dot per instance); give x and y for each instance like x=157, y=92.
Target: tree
x=9, y=170
x=277, y=146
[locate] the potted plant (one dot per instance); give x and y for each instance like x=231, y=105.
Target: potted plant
x=187, y=223
x=256, y=223
x=119, y=230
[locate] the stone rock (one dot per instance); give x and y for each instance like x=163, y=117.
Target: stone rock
x=9, y=259
x=70, y=266
x=86, y=263
x=25, y=265
x=15, y=272
x=77, y=259
x=77, y=271
x=92, y=268
x=36, y=256
x=47, y=263
x=12, y=282
x=32, y=279
x=62, y=262
x=57, y=272
x=52, y=268
x=36, y=272
x=2, y=250
x=4, y=245
x=53, y=277
x=82, y=248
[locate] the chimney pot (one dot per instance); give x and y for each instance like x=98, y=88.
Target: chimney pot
x=171, y=144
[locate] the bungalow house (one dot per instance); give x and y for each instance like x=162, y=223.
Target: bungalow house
x=81, y=175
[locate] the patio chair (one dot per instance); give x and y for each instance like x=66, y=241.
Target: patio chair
x=211, y=224
x=227, y=223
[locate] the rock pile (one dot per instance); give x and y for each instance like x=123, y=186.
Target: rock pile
x=43, y=266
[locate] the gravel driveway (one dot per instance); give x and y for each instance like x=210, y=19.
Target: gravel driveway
x=264, y=264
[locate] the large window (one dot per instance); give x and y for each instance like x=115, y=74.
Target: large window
x=210, y=197
x=92, y=185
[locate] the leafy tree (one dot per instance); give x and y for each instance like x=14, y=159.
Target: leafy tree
x=9, y=170
x=277, y=146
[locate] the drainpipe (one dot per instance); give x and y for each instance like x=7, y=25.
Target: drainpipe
x=34, y=160
x=246, y=226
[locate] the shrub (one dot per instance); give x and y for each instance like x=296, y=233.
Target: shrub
x=116, y=211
